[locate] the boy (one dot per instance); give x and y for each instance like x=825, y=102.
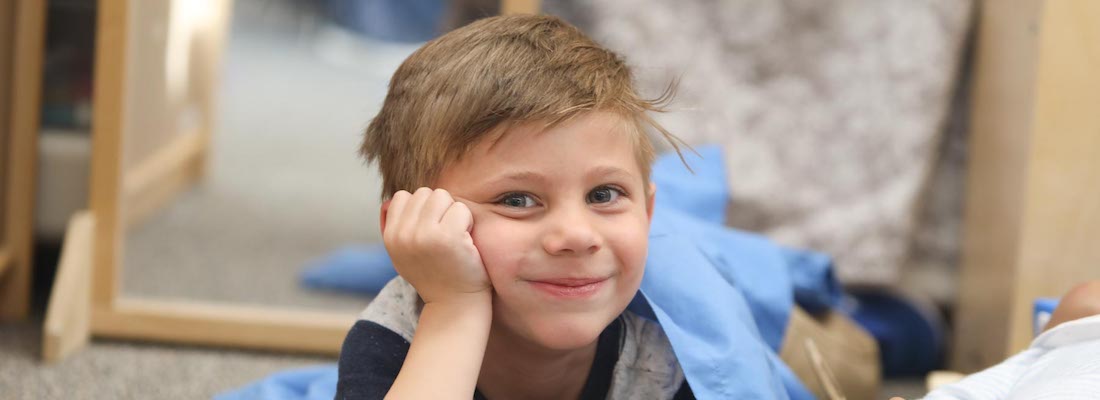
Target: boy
x=517, y=267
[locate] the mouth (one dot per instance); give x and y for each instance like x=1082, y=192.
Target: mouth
x=570, y=288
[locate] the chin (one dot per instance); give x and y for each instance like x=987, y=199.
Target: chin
x=569, y=332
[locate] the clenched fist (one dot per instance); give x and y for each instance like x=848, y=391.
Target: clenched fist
x=427, y=234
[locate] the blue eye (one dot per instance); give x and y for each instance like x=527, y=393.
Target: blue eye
x=517, y=200
x=604, y=194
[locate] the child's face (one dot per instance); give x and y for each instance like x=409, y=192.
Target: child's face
x=561, y=218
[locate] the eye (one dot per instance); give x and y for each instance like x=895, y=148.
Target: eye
x=517, y=200
x=604, y=194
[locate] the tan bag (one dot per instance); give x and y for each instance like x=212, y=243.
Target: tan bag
x=834, y=357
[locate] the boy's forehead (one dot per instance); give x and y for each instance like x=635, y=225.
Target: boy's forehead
x=595, y=144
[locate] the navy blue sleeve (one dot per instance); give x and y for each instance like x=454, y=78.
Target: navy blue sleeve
x=370, y=359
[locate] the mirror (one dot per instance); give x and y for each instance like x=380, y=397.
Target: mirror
x=263, y=109
x=224, y=163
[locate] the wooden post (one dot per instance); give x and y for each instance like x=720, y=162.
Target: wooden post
x=107, y=125
x=7, y=10
x=5, y=260
x=22, y=151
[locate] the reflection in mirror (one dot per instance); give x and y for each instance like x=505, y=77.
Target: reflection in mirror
x=282, y=185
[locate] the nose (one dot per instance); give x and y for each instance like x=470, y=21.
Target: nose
x=572, y=232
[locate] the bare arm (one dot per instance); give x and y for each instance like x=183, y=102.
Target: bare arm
x=428, y=237
x=1081, y=301
x=446, y=351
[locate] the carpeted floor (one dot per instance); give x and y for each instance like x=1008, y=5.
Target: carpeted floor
x=127, y=370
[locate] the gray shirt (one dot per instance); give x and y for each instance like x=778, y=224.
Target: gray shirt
x=646, y=366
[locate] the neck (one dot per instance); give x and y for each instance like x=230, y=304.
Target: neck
x=515, y=368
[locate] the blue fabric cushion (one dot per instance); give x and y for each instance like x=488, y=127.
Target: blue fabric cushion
x=310, y=383
x=358, y=268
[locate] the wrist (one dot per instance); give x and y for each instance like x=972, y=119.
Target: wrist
x=447, y=348
x=475, y=303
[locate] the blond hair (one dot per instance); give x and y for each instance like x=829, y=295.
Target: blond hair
x=477, y=80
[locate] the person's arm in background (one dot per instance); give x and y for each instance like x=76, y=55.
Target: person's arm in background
x=1003, y=380
x=427, y=234
x=1081, y=301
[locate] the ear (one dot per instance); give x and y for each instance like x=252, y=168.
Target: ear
x=382, y=217
x=651, y=195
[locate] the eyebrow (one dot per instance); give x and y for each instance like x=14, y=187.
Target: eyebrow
x=607, y=170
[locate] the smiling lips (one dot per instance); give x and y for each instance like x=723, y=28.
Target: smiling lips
x=571, y=288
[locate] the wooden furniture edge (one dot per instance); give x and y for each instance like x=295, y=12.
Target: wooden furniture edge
x=223, y=325
x=999, y=135
x=23, y=119
x=107, y=125
x=157, y=180
x=66, y=329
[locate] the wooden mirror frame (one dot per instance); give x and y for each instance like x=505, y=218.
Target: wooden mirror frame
x=21, y=51
x=121, y=195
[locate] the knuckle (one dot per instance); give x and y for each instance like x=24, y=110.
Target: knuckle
x=420, y=239
x=441, y=196
x=403, y=236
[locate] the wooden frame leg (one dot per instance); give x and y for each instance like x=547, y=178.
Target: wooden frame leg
x=67, y=326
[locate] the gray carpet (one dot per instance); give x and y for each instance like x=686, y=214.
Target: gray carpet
x=127, y=370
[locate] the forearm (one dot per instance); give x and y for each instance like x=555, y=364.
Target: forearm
x=446, y=353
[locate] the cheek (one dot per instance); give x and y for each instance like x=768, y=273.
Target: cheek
x=501, y=243
x=629, y=242
x=636, y=252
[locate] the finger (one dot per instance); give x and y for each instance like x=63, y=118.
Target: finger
x=437, y=204
x=411, y=213
x=382, y=215
x=473, y=206
x=458, y=217
x=397, y=204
